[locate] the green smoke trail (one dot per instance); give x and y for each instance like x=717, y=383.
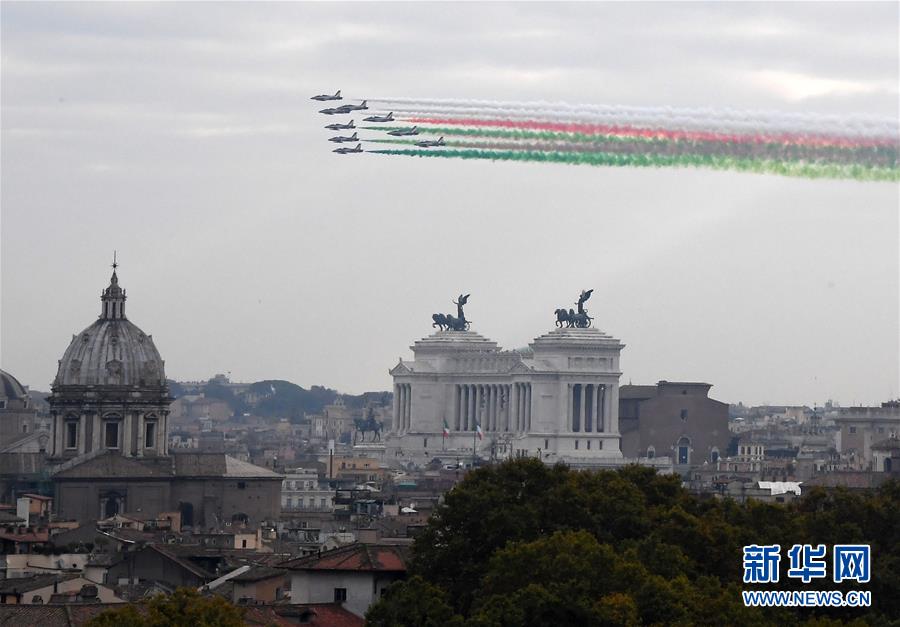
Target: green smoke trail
x=762, y=166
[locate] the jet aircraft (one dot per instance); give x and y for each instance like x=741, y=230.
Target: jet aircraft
x=335, y=110
x=324, y=97
x=359, y=107
x=428, y=143
x=409, y=130
x=341, y=139
x=381, y=118
x=346, y=151
x=341, y=127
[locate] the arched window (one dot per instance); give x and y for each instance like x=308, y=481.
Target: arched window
x=651, y=452
x=714, y=454
x=684, y=451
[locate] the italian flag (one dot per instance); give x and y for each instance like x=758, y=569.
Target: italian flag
x=446, y=429
x=479, y=431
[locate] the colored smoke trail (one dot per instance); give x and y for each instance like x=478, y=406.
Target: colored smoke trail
x=578, y=142
x=794, y=169
x=630, y=131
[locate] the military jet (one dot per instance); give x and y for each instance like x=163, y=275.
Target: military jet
x=359, y=107
x=341, y=127
x=335, y=110
x=347, y=151
x=381, y=118
x=341, y=139
x=429, y=143
x=409, y=130
x=324, y=97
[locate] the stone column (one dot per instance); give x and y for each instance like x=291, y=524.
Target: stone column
x=162, y=434
x=514, y=405
x=408, y=406
x=58, y=428
x=141, y=433
x=588, y=425
x=614, y=408
x=396, y=421
x=507, y=420
x=528, y=406
x=454, y=409
x=495, y=407
x=82, y=428
x=581, y=407
x=125, y=446
x=97, y=434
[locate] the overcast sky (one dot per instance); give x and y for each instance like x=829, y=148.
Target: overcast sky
x=182, y=136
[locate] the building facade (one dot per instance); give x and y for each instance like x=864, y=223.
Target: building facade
x=558, y=399
x=673, y=419
x=110, y=411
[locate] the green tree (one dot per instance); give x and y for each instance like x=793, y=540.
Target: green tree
x=413, y=603
x=183, y=608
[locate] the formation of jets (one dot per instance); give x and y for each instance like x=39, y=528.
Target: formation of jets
x=349, y=108
x=346, y=151
x=381, y=118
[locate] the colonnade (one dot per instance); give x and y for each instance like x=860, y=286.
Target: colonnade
x=588, y=407
x=402, y=407
x=495, y=406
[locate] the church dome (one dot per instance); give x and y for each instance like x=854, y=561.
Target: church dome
x=112, y=351
x=10, y=388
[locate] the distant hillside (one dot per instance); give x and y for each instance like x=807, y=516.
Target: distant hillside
x=283, y=399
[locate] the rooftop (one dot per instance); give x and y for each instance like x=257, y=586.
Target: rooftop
x=355, y=557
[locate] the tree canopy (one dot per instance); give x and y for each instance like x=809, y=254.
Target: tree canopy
x=521, y=543
x=183, y=608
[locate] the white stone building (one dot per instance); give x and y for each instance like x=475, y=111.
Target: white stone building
x=301, y=492
x=558, y=400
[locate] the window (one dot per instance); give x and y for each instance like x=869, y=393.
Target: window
x=112, y=435
x=684, y=451
x=322, y=502
x=243, y=544
x=684, y=414
x=25, y=428
x=589, y=445
x=576, y=445
x=424, y=445
x=71, y=435
x=340, y=595
x=546, y=444
x=149, y=435
x=241, y=485
x=714, y=455
x=852, y=429
x=651, y=452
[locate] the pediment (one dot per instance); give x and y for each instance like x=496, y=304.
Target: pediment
x=520, y=368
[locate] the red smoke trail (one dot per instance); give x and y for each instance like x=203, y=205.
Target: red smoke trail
x=630, y=131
